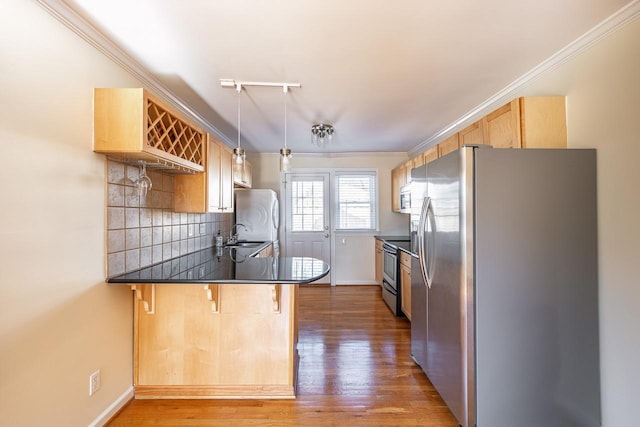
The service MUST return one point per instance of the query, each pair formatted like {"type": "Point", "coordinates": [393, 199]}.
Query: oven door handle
{"type": "Point", "coordinates": [387, 287]}
{"type": "Point", "coordinates": [389, 249]}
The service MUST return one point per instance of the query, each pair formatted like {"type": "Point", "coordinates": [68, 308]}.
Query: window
{"type": "Point", "coordinates": [307, 202]}
{"type": "Point", "coordinates": [356, 201]}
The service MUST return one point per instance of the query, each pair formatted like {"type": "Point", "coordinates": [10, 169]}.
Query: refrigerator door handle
{"type": "Point", "coordinates": [275, 214]}
{"type": "Point", "coordinates": [426, 257]}
{"type": "Point", "coordinates": [426, 203]}
{"type": "Point", "coordinates": [431, 253]}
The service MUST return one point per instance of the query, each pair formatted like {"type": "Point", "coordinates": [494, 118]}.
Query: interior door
{"type": "Point", "coordinates": [307, 225]}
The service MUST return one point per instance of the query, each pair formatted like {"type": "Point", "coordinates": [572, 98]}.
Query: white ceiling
{"type": "Point", "coordinates": [389, 75]}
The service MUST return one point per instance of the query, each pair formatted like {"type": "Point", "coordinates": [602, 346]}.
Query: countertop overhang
{"type": "Point", "coordinates": [221, 265]}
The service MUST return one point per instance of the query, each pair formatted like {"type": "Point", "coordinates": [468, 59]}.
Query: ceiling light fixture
{"type": "Point", "coordinates": [321, 133]}
{"type": "Point", "coordinates": [238, 152]}
{"type": "Point", "coordinates": [285, 153]}
{"type": "Point", "coordinates": [229, 83]}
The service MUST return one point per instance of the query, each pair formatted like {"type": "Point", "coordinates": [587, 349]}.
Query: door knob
{"type": "Point", "coordinates": [326, 235]}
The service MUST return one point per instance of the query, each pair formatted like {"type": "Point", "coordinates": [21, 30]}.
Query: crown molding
{"type": "Point", "coordinates": [86, 31]}
{"type": "Point", "coordinates": [619, 19]}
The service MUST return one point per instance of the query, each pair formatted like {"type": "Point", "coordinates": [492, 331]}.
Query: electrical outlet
{"type": "Point", "coordinates": [94, 382]}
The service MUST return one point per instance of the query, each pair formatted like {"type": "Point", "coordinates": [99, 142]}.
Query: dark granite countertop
{"type": "Point", "coordinates": [228, 265]}
{"type": "Point", "coordinates": [394, 238]}
{"type": "Point", "coordinates": [403, 243]}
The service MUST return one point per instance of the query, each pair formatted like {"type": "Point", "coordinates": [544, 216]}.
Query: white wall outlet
{"type": "Point", "coordinates": [94, 382]}
{"type": "Point", "coordinates": [203, 228]}
{"type": "Point", "coordinates": [190, 230]}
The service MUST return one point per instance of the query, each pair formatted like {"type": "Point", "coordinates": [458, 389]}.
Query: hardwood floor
{"type": "Point", "coordinates": [355, 370]}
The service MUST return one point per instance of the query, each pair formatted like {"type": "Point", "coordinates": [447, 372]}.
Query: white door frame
{"type": "Point", "coordinates": [283, 212]}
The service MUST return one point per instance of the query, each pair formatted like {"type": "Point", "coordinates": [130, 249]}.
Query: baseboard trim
{"type": "Point", "coordinates": [275, 391]}
{"type": "Point", "coordinates": [358, 283]}
{"type": "Point", "coordinates": [113, 409]}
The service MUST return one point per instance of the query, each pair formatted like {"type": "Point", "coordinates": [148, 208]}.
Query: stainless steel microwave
{"type": "Point", "coordinates": [405, 198]}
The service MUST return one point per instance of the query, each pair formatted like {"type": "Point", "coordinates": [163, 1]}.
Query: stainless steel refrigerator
{"type": "Point", "coordinates": [506, 298]}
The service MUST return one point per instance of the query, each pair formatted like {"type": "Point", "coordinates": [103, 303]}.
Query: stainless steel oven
{"type": "Point", "coordinates": [390, 285]}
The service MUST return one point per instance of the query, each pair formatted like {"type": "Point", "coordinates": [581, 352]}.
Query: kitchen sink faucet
{"type": "Point", "coordinates": [233, 237]}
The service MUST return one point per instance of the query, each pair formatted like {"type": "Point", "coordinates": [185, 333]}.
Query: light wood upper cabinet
{"type": "Point", "coordinates": [418, 161]}
{"type": "Point", "coordinates": [131, 124]}
{"type": "Point", "coordinates": [430, 155]}
{"type": "Point", "coordinates": [398, 176]}
{"type": "Point", "coordinates": [472, 134]}
{"type": "Point", "coordinates": [407, 170]}
{"type": "Point", "coordinates": [224, 181]}
{"type": "Point", "coordinates": [502, 126]}
{"type": "Point", "coordinates": [448, 145]}
{"type": "Point", "coordinates": [543, 122]}
{"type": "Point", "coordinates": [529, 122]}
{"type": "Point", "coordinates": [211, 191]}
{"type": "Point", "coordinates": [405, 283]}
{"type": "Point", "coordinates": [242, 176]}
{"type": "Point", "coordinates": [378, 262]}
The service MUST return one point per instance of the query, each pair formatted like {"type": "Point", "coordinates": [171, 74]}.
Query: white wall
{"type": "Point", "coordinates": [603, 111]}
{"type": "Point", "coordinates": [59, 321]}
{"type": "Point", "coordinates": [354, 259]}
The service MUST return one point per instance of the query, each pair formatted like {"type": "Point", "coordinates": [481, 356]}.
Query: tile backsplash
{"type": "Point", "coordinates": [144, 230]}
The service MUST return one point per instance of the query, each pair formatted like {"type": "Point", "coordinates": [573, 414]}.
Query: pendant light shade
{"type": "Point", "coordinates": [285, 160]}
{"type": "Point", "coordinates": [285, 153]}
{"type": "Point", "coordinates": [239, 155]}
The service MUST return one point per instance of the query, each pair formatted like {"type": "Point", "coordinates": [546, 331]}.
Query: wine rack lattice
{"type": "Point", "coordinates": [168, 133]}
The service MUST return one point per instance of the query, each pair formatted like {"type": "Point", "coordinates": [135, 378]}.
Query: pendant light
{"type": "Point", "coordinates": [285, 153]}
{"type": "Point", "coordinates": [238, 152]}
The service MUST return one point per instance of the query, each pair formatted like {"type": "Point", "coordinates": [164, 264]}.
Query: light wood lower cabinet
{"type": "Point", "coordinates": [378, 263]}
{"type": "Point", "coordinates": [216, 341]}
{"type": "Point", "coordinates": [405, 283]}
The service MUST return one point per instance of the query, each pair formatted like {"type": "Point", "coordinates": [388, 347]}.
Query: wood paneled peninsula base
{"type": "Point", "coordinates": [222, 338]}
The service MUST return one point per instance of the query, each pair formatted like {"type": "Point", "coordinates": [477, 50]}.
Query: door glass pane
{"type": "Point", "coordinates": [307, 202]}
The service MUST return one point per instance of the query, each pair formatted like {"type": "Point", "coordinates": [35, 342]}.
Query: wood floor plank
{"type": "Point", "coordinates": [355, 370]}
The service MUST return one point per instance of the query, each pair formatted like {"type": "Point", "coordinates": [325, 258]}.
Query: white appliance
{"type": "Point", "coordinates": [258, 211]}
{"type": "Point", "coordinates": [506, 307]}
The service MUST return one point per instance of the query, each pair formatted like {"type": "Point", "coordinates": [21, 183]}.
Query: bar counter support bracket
{"type": "Point", "coordinates": [275, 295]}
{"type": "Point", "coordinates": [213, 295]}
{"type": "Point", "coordinates": [146, 294]}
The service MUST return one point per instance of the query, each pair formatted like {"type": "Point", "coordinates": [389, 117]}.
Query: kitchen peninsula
{"type": "Point", "coordinates": [218, 323]}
